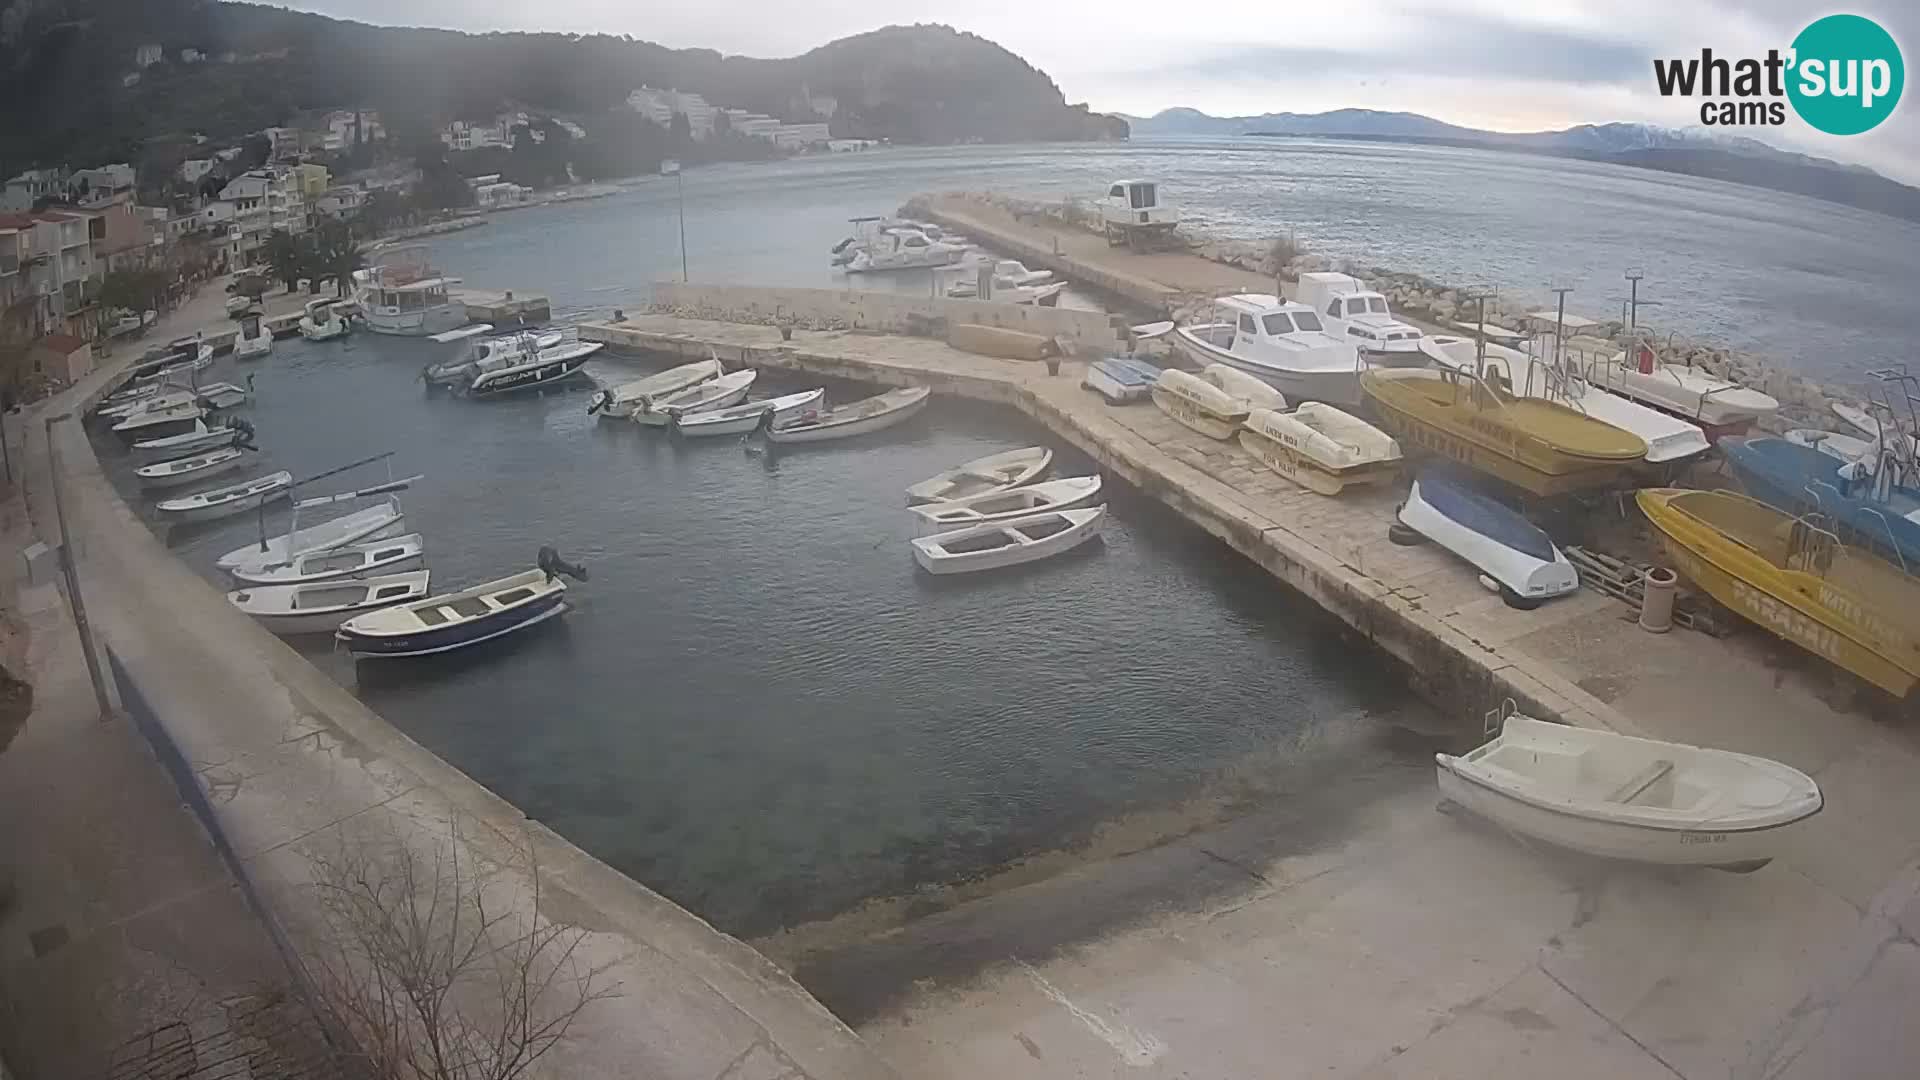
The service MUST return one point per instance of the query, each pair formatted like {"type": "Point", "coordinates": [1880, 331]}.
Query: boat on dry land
{"type": "Point", "coordinates": [1793, 577]}
{"type": "Point", "coordinates": [1279, 342]}
{"type": "Point", "coordinates": [1720, 405]}
{"type": "Point", "coordinates": [1540, 447]}
{"type": "Point", "coordinates": [1120, 379]}
{"type": "Point", "coordinates": [1621, 797]}
{"type": "Point", "coordinates": [1515, 555]}
{"type": "Point", "coordinates": [1199, 404]}
{"type": "Point", "coordinates": [1252, 393]}
{"type": "Point", "coordinates": [1319, 447]}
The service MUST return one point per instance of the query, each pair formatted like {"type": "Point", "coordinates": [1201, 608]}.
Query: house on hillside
{"type": "Point", "coordinates": [148, 55]}
{"type": "Point", "coordinates": [31, 186]}
{"type": "Point", "coordinates": [460, 135]}
{"type": "Point", "coordinates": [660, 105]}
{"type": "Point", "coordinates": [97, 187]}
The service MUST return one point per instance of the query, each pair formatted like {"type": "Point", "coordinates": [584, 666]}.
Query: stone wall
{"type": "Point", "coordinates": [1082, 332]}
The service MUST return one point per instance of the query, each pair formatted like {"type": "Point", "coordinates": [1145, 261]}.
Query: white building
{"type": "Point", "coordinates": [340, 129]}
{"type": "Point", "coordinates": [104, 180]}
{"type": "Point", "coordinates": [500, 194]}
{"type": "Point", "coordinates": [660, 105]}
{"type": "Point", "coordinates": [461, 135]}
{"type": "Point", "coordinates": [261, 202]}
{"type": "Point", "coordinates": [340, 202]}
{"type": "Point", "coordinates": [800, 136]}
{"type": "Point", "coordinates": [148, 55]}
{"type": "Point", "coordinates": [194, 170]}
{"type": "Point", "coordinates": [31, 186]}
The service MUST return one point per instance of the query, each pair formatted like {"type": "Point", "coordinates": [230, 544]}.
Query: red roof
{"type": "Point", "coordinates": [16, 221]}
{"type": "Point", "coordinates": [64, 344]}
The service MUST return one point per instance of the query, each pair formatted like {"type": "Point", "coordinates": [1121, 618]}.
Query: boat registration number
{"type": "Point", "coordinates": [1703, 838]}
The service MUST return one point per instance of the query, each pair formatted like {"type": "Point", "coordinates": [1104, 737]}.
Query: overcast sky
{"type": "Point", "coordinates": [1481, 63]}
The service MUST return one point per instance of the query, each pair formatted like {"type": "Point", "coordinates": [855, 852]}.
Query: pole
{"type": "Point", "coordinates": [1560, 322]}
{"type": "Point", "coordinates": [1634, 274]}
{"type": "Point", "coordinates": [680, 182]}
{"type": "Point", "coordinates": [72, 574]}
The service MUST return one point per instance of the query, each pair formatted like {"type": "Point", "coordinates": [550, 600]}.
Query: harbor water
{"type": "Point", "coordinates": [758, 706]}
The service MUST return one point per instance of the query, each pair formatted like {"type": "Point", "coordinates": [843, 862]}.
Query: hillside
{"type": "Point", "coordinates": [67, 65]}
{"type": "Point", "coordinates": [1697, 152]}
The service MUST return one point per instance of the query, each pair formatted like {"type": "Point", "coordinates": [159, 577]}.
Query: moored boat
{"type": "Point", "coordinates": [1252, 393]}
{"type": "Point", "coordinates": [1198, 404]}
{"type": "Point", "coordinates": [320, 607]}
{"type": "Point", "coordinates": [1319, 447]}
{"type": "Point", "coordinates": [181, 471]}
{"type": "Point", "coordinates": [995, 472]}
{"type": "Point", "coordinates": [618, 401]}
{"type": "Point", "coordinates": [1541, 447]}
{"type": "Point", "coordinates": [1001, 506]}
{"type": "Point", "coordinates": [387, 556]}
{"type": "Point", "coordinates": [253, 340]}
{"type": "Point", "coordinates": [1795, 579]}
{"type": "Point", "coordinates": [458, 620]}
{"type": "Point", "coordinates": [530, 367]}
{"type": "Point", "coordinates": [728, 389]}
{"type": "Point", "coordinates": [1120, 379]}
{"type": "Point", "coordinates": [163, 420]}
{"type": "Point", "coordinates": [322, 321]}
{"type": "Point", "coordinates": [381, 519]}
{"type": "Point", "coordinates": [226, 501]}
{"type": "Point", "coordinates": [863, 417]}
{"type": "Point", "coordinates": [1007, 543]}
{"type": "Point", "coordinates": [194, 440]}
{"type": "Point", "coordinates": [1621, 797]}
{"type": "Point", "coordinates": [403, 294]}
{"type": "Point", "coordinates": [1511, 551]}
{"type": "Point", "coordinates": [743, 418]}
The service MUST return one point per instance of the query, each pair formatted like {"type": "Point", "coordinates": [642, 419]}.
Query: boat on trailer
{"type": "Point", "coordinates": [1199, 404]}
{"type": "Point", "coordinates": [1621, 797]}
{"type": "Point", "coordinates": [1512, 552]}
{"type": "Point", "coordinates": [985, 475]}
{"type": "Point", "coordinates": [458, 620]}
{"type": "Point", "coordinates": [320, 607]}
{"type": "Point", "coordinates": [1720, 405]}
{"type": "Point", "coordinates": [1877, 511]}
{"type": "Point", "coordinates": [182, 471]}
{"type": "Point", "coordinates": [994, 507]}
{"type": "Point", "coordinates": [226, 501]}
{"type": "Point", "coordinates": [1120, 379]}
{"type": "Point", "coordinates": [1279, 342]}
{"type": "Point", "coordinates": [1319, 447]}
{"type": "Point", "coordinates": [729, 389]}
{"type": "Point", "coordinates": [1002, 544]}
{"type": "Point", "coordinates": [383, 556]}
{"type": "Point", "coordinates": [744, 418]}
{"type": "Point", "coordinates": [863, 417]}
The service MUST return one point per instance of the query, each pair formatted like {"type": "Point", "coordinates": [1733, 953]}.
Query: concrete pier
{"type": "Point", "coordinates": [503, 307]}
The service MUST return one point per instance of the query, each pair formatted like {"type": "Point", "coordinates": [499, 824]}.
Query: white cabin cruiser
{"type": "Point", "coordinates": [1282, 343]}
{"type": "Point", "coordinates": [902, 249]}
{"type": "Point", "coordinates": [403, 294]}
{"type": "Point", "coordinates": [253, 340]}
{"type": "Point", "coordinates": [1722, 406]}
{"type": "Point", "coordinates": [323, 321]}
{"type": "Point", "coordinates": [529, 367]}
{"type": "Point", "coordinates": [1350, 310]}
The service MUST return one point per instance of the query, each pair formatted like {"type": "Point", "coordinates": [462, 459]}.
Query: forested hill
{"type": "Point", "coordinates": [66, 67]}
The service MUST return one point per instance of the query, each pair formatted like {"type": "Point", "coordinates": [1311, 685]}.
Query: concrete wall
{"type": "Point", "coordinates": [1083, 332]}
{"type": "Point", "coordinates": [1133, 287]}
{"type": "Point", "coordinates": [296, 769]}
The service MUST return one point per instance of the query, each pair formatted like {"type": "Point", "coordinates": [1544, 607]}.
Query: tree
{"type": "Point", "coordinates": [285, 260]}
{"type": "Point", "coordinates": [133, 290]}
{"type": "Point", "coordinates": [681, 129]}
{"type": "Point", "coordinates": [255, 149]}
{"type": "Point", "coordinates": [336, 255]}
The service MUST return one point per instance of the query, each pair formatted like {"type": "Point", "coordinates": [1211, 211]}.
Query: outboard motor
{"type": "Point", "coordinates": [550, 563]}
{"type": "Point", "coordinates": [245, 439]}
{"type": "Point", "coordinates": [601, 399]}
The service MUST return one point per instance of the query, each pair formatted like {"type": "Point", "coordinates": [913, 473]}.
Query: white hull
{"type": "Point", "coordinates": [245, 348]}
{"type": "Point", "coordinates": [320, 608]}
{"type": "Point", "coordinates": [859, 418]}
{"type": "Point", "coordinates": [374, 521]}
{"type": "Point", "coordinates": [388, 556]}
{"type": "Point", "coordinates": [1619, 797]}
{"type": "Point", "coordinates": [326, 331]}
{"type": "Point", "coordinates": [422, 323]}
{"type": "Point", "coordinates": [197, 508]}
{"type": "Point", "coordinates": [181, 472]}
{"type": "Point", "coordinates": [1251, 393]}
{"type": "Point", "coordinates": [1017, 542]}
{"type": "Point", "coordinates": [1334, 386]}
{"type": "Point", "coordinates": [1198, 404]}
{"type": "Point", "coordinates": [743, 418]}
{"type": "Point", "coordinates": [155, 422]}
{"type": "Point", "coordinates": [620, 401]}
{"type": "Point", "coordinates": [1003, 506]}
{"type": "Point", "coordinates": [1687, 392]}
{"type": "Point", "coordinates": [1839, 447]}
{"type": "Point", "coordinates": [1319, 447]}
{"type": "Point", "coordinates": [1104, 381]}
{"type": "Point", "coordinates": [724, 392]}
{"type": "Point", "coordinates": [1527, 576]}
{"type": "Point", "coordinates": [984, 476]}
{"type": "Point", "coordinates": [193, 442]}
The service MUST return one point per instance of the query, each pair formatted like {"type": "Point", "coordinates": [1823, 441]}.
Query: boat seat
{"type": "Point", "coordinates": [1639, 782]}
{"type": "Point", "coordinates": [472, 607]}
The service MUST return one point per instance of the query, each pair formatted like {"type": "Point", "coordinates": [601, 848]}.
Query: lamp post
{"type": "Point", "coordinates": [671, 166]}
{"type": "Point", "coordinates": [1634, 274]}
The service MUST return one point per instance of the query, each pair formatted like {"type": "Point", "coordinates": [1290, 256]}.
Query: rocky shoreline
{"type": "Point", "coordinates": [1437, 305]}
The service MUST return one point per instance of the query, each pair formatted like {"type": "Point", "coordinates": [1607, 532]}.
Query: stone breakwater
{"type": "Point", "coordinates": [1438, 305]}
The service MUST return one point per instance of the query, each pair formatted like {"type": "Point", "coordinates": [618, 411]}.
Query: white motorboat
{"type": "Point", "coordinates": [1621, 797]}
{"type": "Point", "coordinates": [320, 607]}
{"type": "Point", "coordinates": [1282, 343]}
{"type": "Point", "coordinates": [403, 294]}
{"type": "Point", "coordinates": [1668, 437]}
{"type": "Point", "coordinates": [387, 556]}
{"type": "Point", "coordinates": [253, 340]}
{"type": "Point", "coordinates": [1350, 310]}
{"type": "Point", "coordinates": [619, 401]}
{"type": "Point", "coordinates": [165, 420]}
{"type": "Point", "coordinates": [530, 368]}
{"type": "Point", "coordinates": [1724, 407]}
{"type": "Point", "coordinates": [186, 357]}
{"type": "Point", "coordinates": [1044, 295]}
{"type": "Point", "coordinates": [1120, 379]}
{"type": "Point", "coordinates": [1838, 446]}
{"type": "Point", "coordinates": [1015, 272]}
{"type": "Point", "coordinates": [487, 353]}
{"type": "Point", "coordinates": [160, 398]}
{"type": "Point", "coordinates": [995, 472]}
{"type": "Point", "coordinates": [440, 624]}
{"type": "Point", "coordinates": [1199, 404]}
{"type": "Point", "coordinates": [221, 395]}
{"type": "Point", "coordinates": [322, 321]}
{"type": "Point", "coordinates": [862, 417]}
{"type": "Point", "coordinates": [743, 418]}
{"type": "Point", "coordinates": [1007, 543]}
{"type": "Point", "coordinates": [1008, 505]}
{"type": "Point", "coordinates": [1869, 423]}
{"type": "Point", "coordinates": [1319, 447]}
{"type": "Point", "coordinates": [898, 248]}
{"type": "Point", "coordinates": [1250, 392]}
{"type": "Point", "coordinates": [728, 389]}
{"type": "Point", "coordinates": [1512, 552]}
{"type": "Point", "coordinates": [267, 553]}
{"type": "Point", "coordinates": [187, 470]}
{"type": "Point", "coordinates": [226, 501]}
{"type": "Point", "coordinates": [194, 440]}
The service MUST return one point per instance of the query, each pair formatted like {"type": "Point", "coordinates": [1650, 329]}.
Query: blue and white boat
{"type": "Point", "coordinates": [1874, 510]}
{"type": "Point", "coordinates": [1509, 550]}
{"type": "Point", "coordinates": [444, 623]}
{"type": "Point", "coordinates": [1121, 379]}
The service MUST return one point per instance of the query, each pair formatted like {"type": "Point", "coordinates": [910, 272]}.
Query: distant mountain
{"type": "Point", "coordinates": [1692, 151]}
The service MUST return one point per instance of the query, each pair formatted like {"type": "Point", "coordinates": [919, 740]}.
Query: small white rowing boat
{"type": "Point", "coordinates": [388, 556]}
{"type": "Point", "coordinates": [876, 413]}
{"type": "Point", "coordinates": [1319, 447]}
{"type": "Point", "coordinates": [195, 440]}
{"type": "Point", "coordinates": [182, 471]}
{"type": "Point", "coordinates": [1199, 404]}
{"type": "Point", "coordinates": [1622, 797]}
{"type": "Point", "coordinates": [262, 555]}
{"type": "Point", "coordinates": [320, 607]}
{"type": "Point", "coordinates": [180, 416]}
{"type": "Point", "coordinates": [227, 501]}
{"type": "Point", "coordinates": [1250, 392]}
{"type": "Point", "coordinates": [983, 476]}
{"type": "Point", "coordinates": [133, 406]}
{"type": "Point", "coordinates": [994, 507]}
{"type": "Point", "coordinates": [618, 401]}
{"type": "Point", "coordinates": [1007, 543]}
{"type": "Point", "coordinates": [728, 389]}
{"type": "Point", "coordinates": [743, 418]}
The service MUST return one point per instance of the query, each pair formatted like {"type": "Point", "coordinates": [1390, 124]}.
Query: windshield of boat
{"type": "Point", "coordinates": [1307, 320]}
{"type": "Point", "coordinates": [1277, 323]}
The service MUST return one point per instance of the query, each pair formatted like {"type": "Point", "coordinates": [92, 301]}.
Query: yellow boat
{"type": "Point", "coordinates": [1538, 446]}
{"type": "Point", "coordinates": [1793, 577]}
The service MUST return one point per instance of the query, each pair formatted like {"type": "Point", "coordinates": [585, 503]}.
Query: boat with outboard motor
{"type": "Point", "coordinates": [729, 389]}
{"type": "Point", "coordinates": [469, 617]}
{"type": "Point", "coordinates": [319, 607]}
{"type": "Point", "coordinates": [862, 417]}
{"type": "Point", "coordinates": [619, 401]}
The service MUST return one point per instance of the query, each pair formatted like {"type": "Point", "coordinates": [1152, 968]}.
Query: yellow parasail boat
{"type": "Point", "coordinates": [1538, 446]}
{"type": "Point", "coordinates": [1794, 577]}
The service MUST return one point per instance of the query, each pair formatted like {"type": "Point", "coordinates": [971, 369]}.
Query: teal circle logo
{"type": "Point", "coordinates": [1846, 74]}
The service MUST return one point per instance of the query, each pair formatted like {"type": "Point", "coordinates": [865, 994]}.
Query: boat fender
{"type": "Point", "coordinates": [550, 563]}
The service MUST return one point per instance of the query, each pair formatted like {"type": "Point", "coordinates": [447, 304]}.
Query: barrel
{"type": "Point", "coordinates": [1656, 602]}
